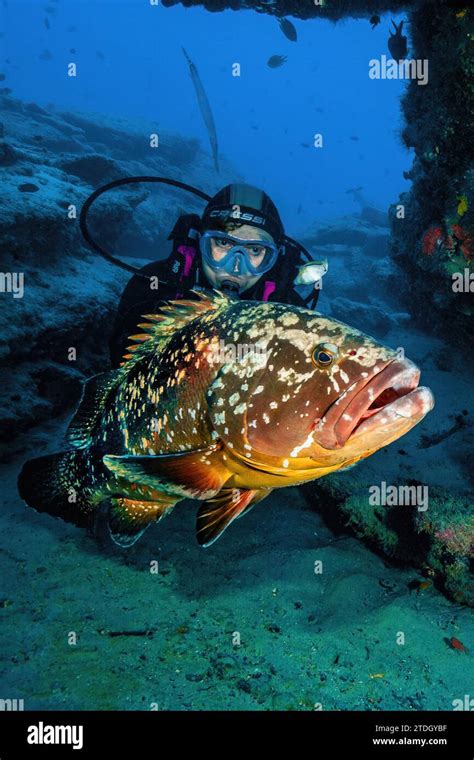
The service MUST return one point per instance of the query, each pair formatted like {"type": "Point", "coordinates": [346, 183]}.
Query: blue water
{"type": "Point", "coordinates": [323, 88]}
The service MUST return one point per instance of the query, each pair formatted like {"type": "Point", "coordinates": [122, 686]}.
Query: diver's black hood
{"type": "Point", "coordinates": [246, 205]}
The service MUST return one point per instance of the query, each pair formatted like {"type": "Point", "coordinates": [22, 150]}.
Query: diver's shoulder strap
{"type": "Point", "coordinates": [183, 259]}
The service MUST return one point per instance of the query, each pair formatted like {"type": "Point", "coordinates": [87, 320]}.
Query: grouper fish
{"type": "Point", "coordinates": [222, 401]}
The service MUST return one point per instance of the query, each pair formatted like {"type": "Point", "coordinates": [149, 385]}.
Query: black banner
{"type": "Point", "coordinates": [394, 734]}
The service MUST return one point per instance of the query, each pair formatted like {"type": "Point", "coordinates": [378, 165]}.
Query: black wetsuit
{"type": "Point", "coordinates": [183, 271]}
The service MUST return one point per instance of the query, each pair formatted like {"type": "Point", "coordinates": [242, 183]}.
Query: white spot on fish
{"type": "Point", "coordinates": [289, 319]}
{"type": "Point", "coordinates": [304, 445]}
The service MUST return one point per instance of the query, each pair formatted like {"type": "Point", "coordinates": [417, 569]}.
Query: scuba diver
{"type": "Point", "coordinates": [238, 246]}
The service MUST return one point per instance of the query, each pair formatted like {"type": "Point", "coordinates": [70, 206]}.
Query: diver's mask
{"type": "Point", "coordinates": [233, 256]}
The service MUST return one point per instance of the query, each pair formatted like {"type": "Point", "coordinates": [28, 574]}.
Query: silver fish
{"type": "Point", "coordinates": [311, 272]}
{"type": "Point", "coordinates": [205, 108]}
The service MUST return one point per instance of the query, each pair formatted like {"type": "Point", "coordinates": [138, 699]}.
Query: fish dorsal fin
{"type": "Point", "coordinates": [172, 316]}
{"type": "Point", "coordinates": [94, 394]}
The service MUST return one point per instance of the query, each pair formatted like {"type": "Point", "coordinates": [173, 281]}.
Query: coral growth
{"type": "Point", "coordinates": [432, 240]}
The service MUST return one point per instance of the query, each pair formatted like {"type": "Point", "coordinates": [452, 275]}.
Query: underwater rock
{"type": "Point", "coordinates": [368, 318]}
{"type": "Point", "coordinates": [28, 187]}
{"type": "Point", "coordinates": [350, 230]}
{"type": "Point", "coordinates": [439, 127]}
{"type": "Point", "coordinates": [374, 216]}
{"type": "Point", "coordinates": [279, 8]}
{"type": "Point", "coordinates": [438, 540]}
{"type": "Point", "coordinates": [93, 169]}
{"type": "Point", "coordinates": [377, 247]}
{"type": "Point", "coordinates": [7, 155]}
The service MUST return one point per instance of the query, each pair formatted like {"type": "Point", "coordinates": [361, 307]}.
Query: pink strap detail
{"type": "Point", "coordinates": [189, 254]}
{"type": "Point", "coordinates": [268, 290]}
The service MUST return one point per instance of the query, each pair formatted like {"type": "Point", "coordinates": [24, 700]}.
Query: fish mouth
{"type": "Point", "coordinates": [387, 400]}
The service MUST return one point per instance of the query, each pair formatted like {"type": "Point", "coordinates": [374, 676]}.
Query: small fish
{"type": "Point", "coordinates": [376, 675]}
{"type": "Point", "coordinates": [354, 138]}
{"type": "Point", "coordinates": [354, 189]}
{"type": "Point", "coordinates": [2, 77]}
{"type": "Point", "coordinates": [397, 43]}
{"type": "Point", "coordinates": [424, 585]}
{"type": "Point", "coordinates": [305, 145]}
{"type": "Point", "coordinates": [374, 21]}
{"type": "Point", "coordinates": [463, 205]}
{"type": "Point", "coordinates": [189, 416]}
{"type": "Point", "coordinates": [454, 643]}
{"type": "Point", "coordinates": [46, 23]}
{"type": "Point", "coordinates": [311, 272]}
{"type": "Point", "coordinates": [288, 29]}
{"type": "Point", "coordinates": [417, 585]}
{"type": "Point", "coordinates": [72, 50]}
{"type": "Point", "coordinates": [46, 55]}
{"type": "Point", "coordinates": [462, 13]}
{"type": "Point", "coordinates": [276, 60]}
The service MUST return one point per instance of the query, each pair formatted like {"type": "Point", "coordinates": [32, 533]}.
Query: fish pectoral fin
{"type": "Point", "coordinates": [198, 472]}
{"type": "Point", "coordinates": [260, 494]}
{"type": "Point", "coordinates": [127, 519]}
{"type": "Point", "coordinates": [216, 514]}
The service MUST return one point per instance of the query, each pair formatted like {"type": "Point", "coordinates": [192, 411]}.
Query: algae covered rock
{"type": "Point", "coordinates": [437, 538]}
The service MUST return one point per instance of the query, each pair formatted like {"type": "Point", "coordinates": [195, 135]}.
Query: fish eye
{"type": "Point", "coordinates": [324, 355]}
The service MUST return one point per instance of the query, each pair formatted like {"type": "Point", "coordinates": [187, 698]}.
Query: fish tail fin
{"type": "Point", "coordinates": [55, 484]}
